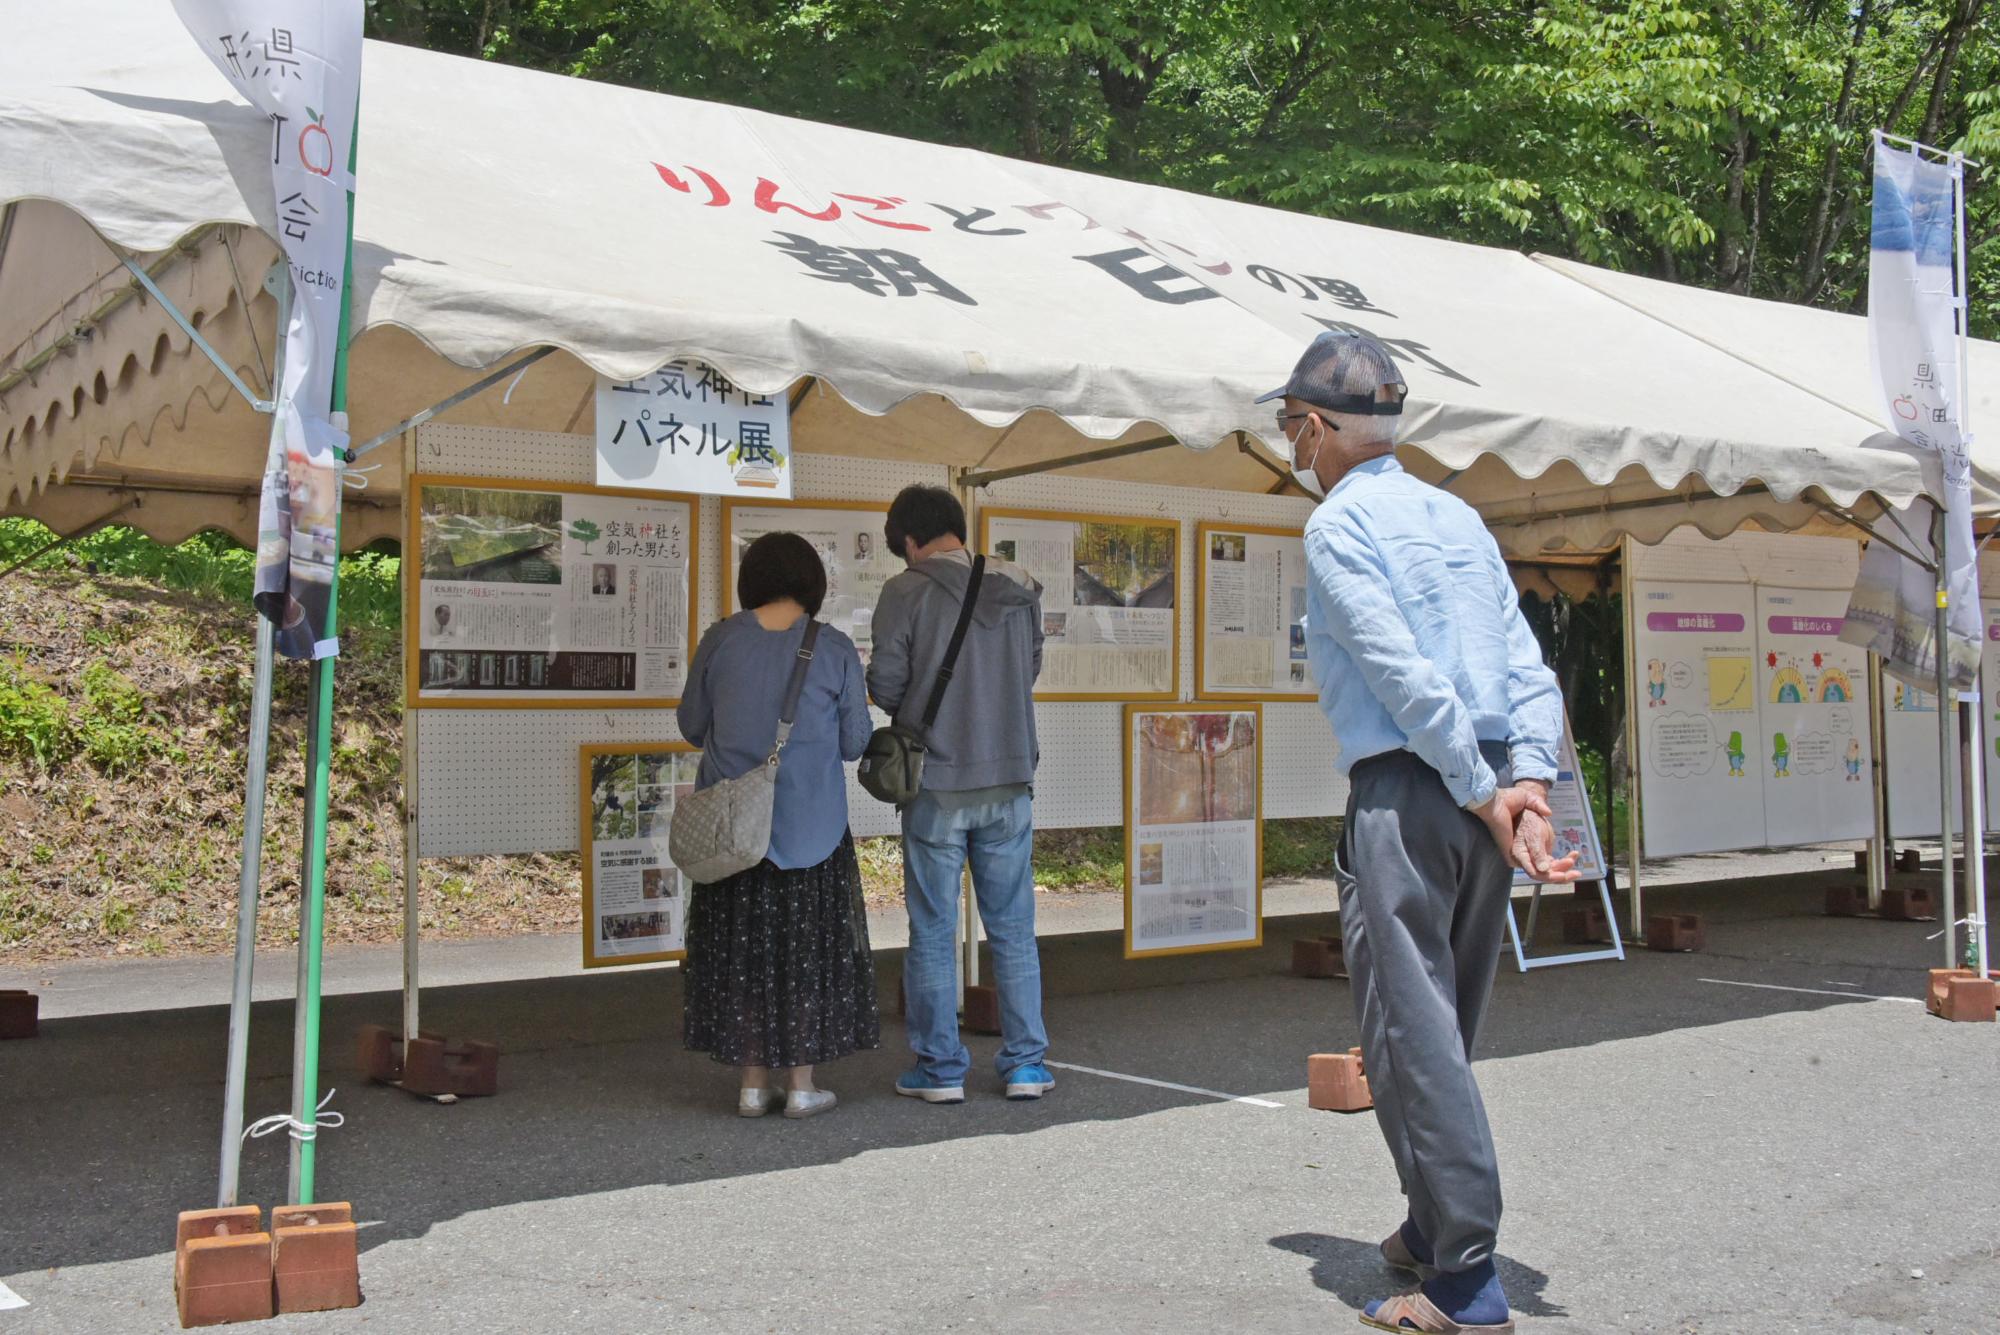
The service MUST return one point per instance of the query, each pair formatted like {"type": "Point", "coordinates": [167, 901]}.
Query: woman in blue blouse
{"type": "Point", "coordinates": [779, 974]}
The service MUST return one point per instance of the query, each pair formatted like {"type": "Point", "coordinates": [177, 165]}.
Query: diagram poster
{"type": "Point", "coordinates": [1251, 638]}
{"type": "Point", "coordinates": [1110, 589]}
{"type": "Point", "coordinates": [635, 900]}
{"type": "Point", "coordinates": [1702, 782]}
{"type": "Point", "coordinates": [537, 595]}
{"type": "Point", "coordinates": [1193, 834]}
{"type": "Point", "coordinates": [1575, 825]}
{"type": "Point", "coordinates": [1813, 703]}
{"type": "Point", "coordinates": [848, 537]}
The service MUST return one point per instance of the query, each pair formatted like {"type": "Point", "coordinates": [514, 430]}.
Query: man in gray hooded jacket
{"type": "Point", "coordinates": [976, 801]}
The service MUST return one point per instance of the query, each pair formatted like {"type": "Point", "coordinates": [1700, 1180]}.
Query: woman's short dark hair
{"type": "Point", "coordinates": [781, 565]}
{"type": "Point", "coordinates": [923, 514]}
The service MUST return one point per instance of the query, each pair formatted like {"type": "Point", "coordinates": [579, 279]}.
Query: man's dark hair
{"type": "Point", "coordinates": [781, 565]}
{"type": "Point", "coordinates": [923, 514]}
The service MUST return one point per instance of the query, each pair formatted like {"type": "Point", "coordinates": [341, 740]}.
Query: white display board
{"type": "Point", "coordinates": [1193, 835]}
{"type": "Point", "coordinates": [848, 537]}
{"type": "Point", "coordinates": [1250, 640]}
{"type": "Point", "coordinates": [1698, 731]}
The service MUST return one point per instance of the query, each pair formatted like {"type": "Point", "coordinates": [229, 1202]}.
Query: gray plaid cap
{"type": "Point", "coordinates": [1343, 373]}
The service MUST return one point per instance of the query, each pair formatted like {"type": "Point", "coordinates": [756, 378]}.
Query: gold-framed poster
{"type": "Point", "coordinates": [1194, 830]}
{"type": "Point", "coordinates": [635, 900]}
{"type": "Point", "coordinates": [1111, 617]}
{"type": "Point", "coordinates": [1250, 613]}
{"type": "Point", "coordinates": [848, 537]}
{"type": "Point", "coordinates": [547, 595]}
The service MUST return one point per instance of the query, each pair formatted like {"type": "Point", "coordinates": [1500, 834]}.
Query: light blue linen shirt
{"type": "Point", "coordinates": [1416, 638]}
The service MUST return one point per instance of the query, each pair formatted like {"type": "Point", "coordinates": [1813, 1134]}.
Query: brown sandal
{"type": "Point", "coordinates": [1413, 1312]}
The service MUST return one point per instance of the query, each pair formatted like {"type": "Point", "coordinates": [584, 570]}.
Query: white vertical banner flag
{"type": "Point", "coordinates": [299, 62]}
{"type": "Point", "coordinates": [1913, 310]}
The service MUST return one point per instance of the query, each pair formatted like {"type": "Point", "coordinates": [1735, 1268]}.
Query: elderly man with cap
{"type": "Point", "coordinates": [1448, 724]}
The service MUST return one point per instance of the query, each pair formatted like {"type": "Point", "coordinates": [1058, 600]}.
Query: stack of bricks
{"type": "Point", "coordinates": [1910, 903]}
{"type": "Point", "coordinates": [1961, 994]}
{"type": "Point", "coordinates": [1337, 1082]}
{"type": "Point", "coordinates": [434, 1066]}
{"type": "Point", "coordinates": [227, 1268]}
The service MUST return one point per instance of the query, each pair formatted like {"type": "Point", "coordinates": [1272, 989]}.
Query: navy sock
{"type": "Point", "coordinates": [1418, 1245]}
{"type": "Point", "coordinates": [1470, 1297]}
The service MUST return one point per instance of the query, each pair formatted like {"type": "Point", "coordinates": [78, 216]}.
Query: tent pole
{"type": "Point", "coordinates": [1947, 747]}
{"type": "Point", "coordinates": [1879, 838]}
{"type": "Point", "coordinates": [412, 721]}
{"type": "Point", "coordinates": [246, 918]}
{"type": "Point", "coordinates": [968, 912]}
{"type": "Point", "coordinates": [1973, 780]}
{"type": "Point", "coordinates": [279, 284]}
{"type": "Point", "coordinates": [1634, 888]}
{"type": "Point", "coordinates": [968, 480]}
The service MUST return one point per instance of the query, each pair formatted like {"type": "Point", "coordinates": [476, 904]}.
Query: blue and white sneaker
{"type": "Point", "coordinates": [916, 1085]}
{"type": "Point", "coordinates": [1030, 1081]}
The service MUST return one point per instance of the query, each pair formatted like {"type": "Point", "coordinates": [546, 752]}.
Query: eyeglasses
{"type": "Point", "coordinates": [1284, 417]}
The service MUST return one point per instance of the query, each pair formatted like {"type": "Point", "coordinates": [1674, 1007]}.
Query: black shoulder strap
{"type": "Point", "coordinates": [957, 642]}
{"type": "Point", "coordinates": [793, 687]}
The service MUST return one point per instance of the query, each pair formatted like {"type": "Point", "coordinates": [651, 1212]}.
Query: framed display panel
{"type": "Point", "coordinates": [635, 900]}
{"type": "Point", "coordinates": [1111, 618]}
{"type": "Point", "coordinates": [1250, 610]}
{"type": "Point", "coordinates": [848, 537]}
{"type": "Point", "coordinates": [533, 595]}
{"type": "Point", "coordinates": [1194, 830]}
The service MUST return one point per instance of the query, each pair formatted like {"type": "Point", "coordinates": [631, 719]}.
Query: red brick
{"type": "Point", "coordinates": [1585, 926]}
{"type": "Point", "coordinates": [1675, 932]}
{"type": "Point", "coordinates": [982, 1009]}
{"type": "Point", "coordinates": [1319, 957]}
{"type": "Point", "coordinates": [224, 1279]}
{"type": "Point", "coordinates": [308, 1216]}
{"type": "Point", "coordinates": [20, 1013]}
{"type": "Point", "coordinates": [231, 1220]}
{"type": "Point", "coordinates": [1908, 859]}
{"type": "Point", "coordinates": [1846, 901]}
{"type": "Point", "coordinates": [316, 1267]}
{"type": "Point", "coordinates": [379, 1053]}
{"type": "Point", "coordinates": [462, 1068]}
{"type": "Point", "coordinates": [1970, 998]}
{"type": "Point", "coordinates": [1915, 903]}
{"type": "Point", "coordinates": [1337, 1082]}
{"type": "Point", "coordinates": [1940, 987]}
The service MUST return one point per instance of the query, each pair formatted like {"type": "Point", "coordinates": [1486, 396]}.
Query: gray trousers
{"type": "Point", "coordinates": [1423, 891]}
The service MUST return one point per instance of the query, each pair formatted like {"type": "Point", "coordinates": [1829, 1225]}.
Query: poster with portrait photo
{"type": "Point", "coordinates": [848, 537]}
{"type": "Point", "coordinates": [544, 595]}
{"type": "Point", "coordinates": [1250, 638]}
{"type": "Point", "coordinates": [635, 900]}
{"type": "Point", "coordinates": [1193, 828]}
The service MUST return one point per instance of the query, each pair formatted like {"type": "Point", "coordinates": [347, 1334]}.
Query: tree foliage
{"type": "Point", "coordinates": [1718, 142]}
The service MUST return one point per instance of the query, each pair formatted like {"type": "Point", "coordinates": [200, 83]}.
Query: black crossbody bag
{"type": "Point", "coordinates": [892, 768]}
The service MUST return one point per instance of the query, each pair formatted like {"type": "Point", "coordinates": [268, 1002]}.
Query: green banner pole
{"type": "Point", "coordinates": [319, 754]}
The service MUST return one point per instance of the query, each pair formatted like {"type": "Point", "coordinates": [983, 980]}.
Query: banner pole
{"type": "Point", "coordinates": [1880, 837]}
{"type": "Point", "coordinates": [1975, 827]}
{"type": "Point", "coordinates": [319, 756]}
{"type": "Point", "coordinates": [251, 875]}
{"type": "Point", "coordinates": [1947, 747]}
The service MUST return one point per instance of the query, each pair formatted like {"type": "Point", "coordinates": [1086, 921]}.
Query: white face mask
{"type": "Point", "coordinates": [1303, 474]}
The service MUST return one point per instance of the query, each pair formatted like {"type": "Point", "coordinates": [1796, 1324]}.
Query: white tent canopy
{"type": "Point", "coordinates": [928, 301]}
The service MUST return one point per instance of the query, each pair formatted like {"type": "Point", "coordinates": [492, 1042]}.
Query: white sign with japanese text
{"type": "Point", "coordinates": [685, 427]}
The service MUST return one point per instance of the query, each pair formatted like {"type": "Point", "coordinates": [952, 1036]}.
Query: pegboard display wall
{"type": "Point", "coordinates": [504, 780]}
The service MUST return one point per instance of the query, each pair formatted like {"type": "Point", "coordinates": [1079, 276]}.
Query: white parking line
{"type": "Point", "coordinates": [1168, 1084]}
{"type": "Point", "coordinates": [9, 1300]}
{"type": "Point", "coordinates": [1812, 991]}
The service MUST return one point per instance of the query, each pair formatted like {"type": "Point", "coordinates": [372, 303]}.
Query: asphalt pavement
{"type": "Point", "coordinates": [1769, 1135]}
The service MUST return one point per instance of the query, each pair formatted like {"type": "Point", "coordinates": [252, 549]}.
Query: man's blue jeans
{"type": "Point", "coordinates": [998, 838]}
